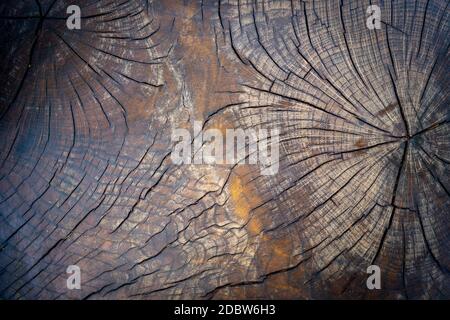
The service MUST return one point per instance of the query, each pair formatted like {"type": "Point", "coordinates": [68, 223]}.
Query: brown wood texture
{"type": "Point", "coordinates": [86, 176]}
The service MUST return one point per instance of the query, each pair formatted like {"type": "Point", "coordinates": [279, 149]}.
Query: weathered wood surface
{"type": "Point", "coordinates": [86, 176]}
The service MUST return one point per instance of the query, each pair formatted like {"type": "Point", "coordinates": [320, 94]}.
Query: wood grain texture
{"type": "Point", "coordinates": [86, 176]}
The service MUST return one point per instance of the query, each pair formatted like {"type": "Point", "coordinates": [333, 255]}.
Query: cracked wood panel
{"type": "Point", "coordinates": [86, 176]}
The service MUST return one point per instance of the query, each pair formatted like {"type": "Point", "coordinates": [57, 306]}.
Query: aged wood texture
{"type": "Point", "coordinates": [86, 176]}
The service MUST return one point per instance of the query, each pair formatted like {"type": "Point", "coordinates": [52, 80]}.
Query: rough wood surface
{"type": "Point", "coordinates": [86, 176]}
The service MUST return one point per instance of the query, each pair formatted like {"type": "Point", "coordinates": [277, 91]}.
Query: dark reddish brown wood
{"type": "Point", "coordinates": [86, 176]}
